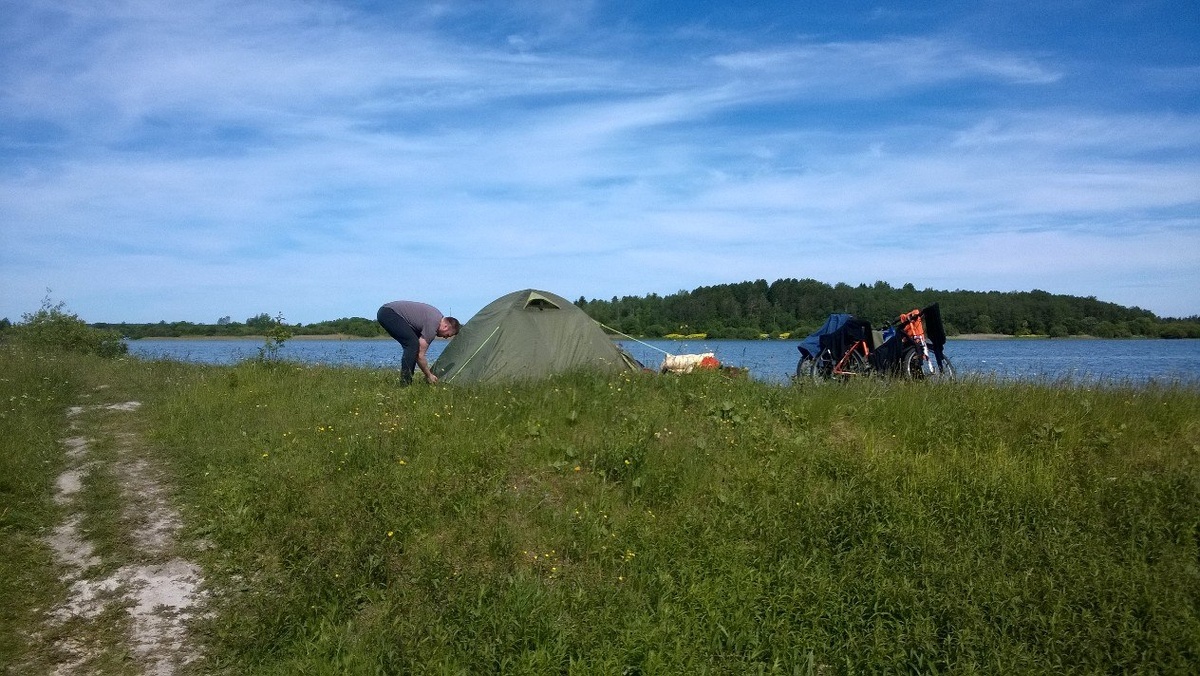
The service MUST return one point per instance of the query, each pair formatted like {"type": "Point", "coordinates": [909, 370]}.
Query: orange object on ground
{"type": "Point", "coordinates": [685, 363]}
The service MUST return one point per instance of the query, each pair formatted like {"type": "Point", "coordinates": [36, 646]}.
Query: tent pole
{"type": "Point", "coordinates": [632, 338]}
{"type": "Point", "coordinates": [468, 361]}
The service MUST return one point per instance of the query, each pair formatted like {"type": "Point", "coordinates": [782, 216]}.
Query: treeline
{"type": "Point", "coordinates": [800, 306]}
{"type": "Point", "coordinates": [254, 326]}
{"type": "Point", "coordinates": [787, 307]}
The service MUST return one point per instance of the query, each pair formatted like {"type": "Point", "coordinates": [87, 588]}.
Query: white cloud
{"type": "Point", "coordinates": [874, 68]}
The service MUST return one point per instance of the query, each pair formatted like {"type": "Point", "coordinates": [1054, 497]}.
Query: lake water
{"type": "Point", "coordinates": [1076, 360]}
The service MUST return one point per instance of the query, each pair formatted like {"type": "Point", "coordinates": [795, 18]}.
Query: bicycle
{"type": "Point", "coordinates": [840, 349]}
{"type": "Point", "coordinates": [853, 363]}
{"type": "Point", "coordinates": [912, 346]}
{"type": "Point", "coordinates": [916, 362]}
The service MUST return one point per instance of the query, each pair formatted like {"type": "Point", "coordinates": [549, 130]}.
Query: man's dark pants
{"type": "Point", "coordinates": [399, 329]}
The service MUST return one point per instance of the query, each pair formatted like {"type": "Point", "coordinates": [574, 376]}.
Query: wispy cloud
{"type": "Point", "coordinates": [875, 68]}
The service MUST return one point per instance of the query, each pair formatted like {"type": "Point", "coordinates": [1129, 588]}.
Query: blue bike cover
{"type": "Point", "coordinates": [810, 347]}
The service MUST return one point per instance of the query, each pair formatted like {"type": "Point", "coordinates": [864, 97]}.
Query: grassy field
{"type": "Point", "coordinates": [644, 524]}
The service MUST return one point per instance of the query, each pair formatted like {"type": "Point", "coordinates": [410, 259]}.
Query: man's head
{"type": "Point", "coordinates": [448, 327]}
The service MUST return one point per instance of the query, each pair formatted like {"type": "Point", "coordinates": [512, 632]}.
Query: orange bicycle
{"type": "Point", "coordinates": [856, 361]}
{"type": "Point", "coordinates": [841, 349]}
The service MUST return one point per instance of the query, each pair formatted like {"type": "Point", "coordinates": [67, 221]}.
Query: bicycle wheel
{"type": "Point", "coordinates": [912, 364]}
{"type": "Point", "coordinates": [856, 365]}
{"type": "Point", "coordinates": [806, 369]}
{"type": "Point", "coordinates": [946, 370]}
{"type": "Point", "coordinates": [813, 370]}
{"type": "Point", "coordinates": [915, 366]}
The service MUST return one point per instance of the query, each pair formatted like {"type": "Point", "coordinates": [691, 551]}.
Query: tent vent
{"type": "Point", "coordinates": [537, 301]}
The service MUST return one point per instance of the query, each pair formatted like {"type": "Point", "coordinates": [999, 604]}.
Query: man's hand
{"type": "Point", "coordinates": [422, 346]}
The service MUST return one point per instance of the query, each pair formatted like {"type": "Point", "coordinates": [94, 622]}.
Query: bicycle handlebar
{"type": "Point", "coordinates": [900, 322]}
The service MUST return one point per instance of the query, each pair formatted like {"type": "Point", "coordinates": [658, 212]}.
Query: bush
{"type": "Point", "coordinates": [52, 327]}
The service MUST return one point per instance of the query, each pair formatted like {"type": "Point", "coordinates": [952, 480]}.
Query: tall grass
{"type": "Point", "coordinates": [35, 391]}
{"type": "Point", "coordinates": [687, 525]}
{"type": "Point", "coordinates": [649, 524]}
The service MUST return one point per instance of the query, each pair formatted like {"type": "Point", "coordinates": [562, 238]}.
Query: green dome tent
{"type": "Point", "coordinates": [528, 334]}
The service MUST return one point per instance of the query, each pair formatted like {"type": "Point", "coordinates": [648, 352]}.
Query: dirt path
{"type": "Point", "coordinates": [137, 606]}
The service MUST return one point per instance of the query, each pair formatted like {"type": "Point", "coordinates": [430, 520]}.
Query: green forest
{"type": "Point", "coordinates": [800, 306]}
{"type": "Point", "coordinates": [259, 325]}
{"type": "Point", "coordinates": [783, 308]}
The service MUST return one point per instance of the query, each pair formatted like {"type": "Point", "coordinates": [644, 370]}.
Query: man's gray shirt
{"type": "Point", "coordinates": [422, 317]}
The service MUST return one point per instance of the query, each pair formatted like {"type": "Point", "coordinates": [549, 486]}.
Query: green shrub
{"type": "Point", "coordinates": [53, 328]}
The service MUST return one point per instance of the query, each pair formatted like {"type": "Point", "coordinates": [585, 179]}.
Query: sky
{"type": "Point", "coordinates": [314, 159]}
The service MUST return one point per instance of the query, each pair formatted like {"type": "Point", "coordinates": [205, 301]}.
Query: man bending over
{"type": "Point", "coordinates": [415, 325]}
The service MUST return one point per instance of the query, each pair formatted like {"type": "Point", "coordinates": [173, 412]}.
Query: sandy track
{"type": "Point", "coordinates": [159, 590]}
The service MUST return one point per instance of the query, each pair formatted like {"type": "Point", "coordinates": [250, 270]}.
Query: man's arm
{"type": "Point", "coordinates": [423, 345]}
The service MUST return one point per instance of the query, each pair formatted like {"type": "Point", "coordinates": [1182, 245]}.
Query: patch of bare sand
{"type": "Point", "coordinates": [981, 336]}
{"type": "Point", "coordinates": [160, 591]}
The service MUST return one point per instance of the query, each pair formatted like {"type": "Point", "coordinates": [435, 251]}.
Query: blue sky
{"type": "Point", "coordinates": [191, 161]}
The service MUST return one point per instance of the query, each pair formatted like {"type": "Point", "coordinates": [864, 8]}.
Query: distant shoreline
{"type": "Point", "coordinates": [347, 337]}
{"type": "Point", "coordinates": [323, 336]}
{"type": "Point", "coordinates": [984, 336]}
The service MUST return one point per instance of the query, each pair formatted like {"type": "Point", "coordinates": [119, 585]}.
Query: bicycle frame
{"type": "Point", "coordinates": [849, 366]}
